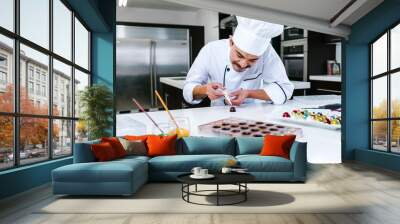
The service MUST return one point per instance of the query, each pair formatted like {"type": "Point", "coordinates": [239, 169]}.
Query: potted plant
{"type": "Point", "coordinates": [96, 103]}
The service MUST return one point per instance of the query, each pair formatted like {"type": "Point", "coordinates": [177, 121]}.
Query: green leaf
{"type": "Point", "coordinates": [96, 102]}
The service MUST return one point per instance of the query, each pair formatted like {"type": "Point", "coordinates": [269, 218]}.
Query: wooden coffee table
{"type": "Point", "coordinates": [238, 179]}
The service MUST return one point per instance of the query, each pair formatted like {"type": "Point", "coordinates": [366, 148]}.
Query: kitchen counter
{"type": "Point", "coordinates": [324, 145]}
{"type": "Point", "coordinates": [301, 84]}
{"type": "Point", "coordinates": [179, 82]}
{"type": "Point", "coordinates": [327, 78]}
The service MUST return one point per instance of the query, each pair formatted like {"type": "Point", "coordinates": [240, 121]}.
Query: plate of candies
{"type": "Point", "coordinates": [320, 117]}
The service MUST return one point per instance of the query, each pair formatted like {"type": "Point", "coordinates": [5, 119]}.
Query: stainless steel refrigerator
{"type": "Point", "coordinates": [143, 55]}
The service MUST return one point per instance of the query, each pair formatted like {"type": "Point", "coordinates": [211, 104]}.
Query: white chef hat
{"type": "Point", "coordinates": [253, 36]}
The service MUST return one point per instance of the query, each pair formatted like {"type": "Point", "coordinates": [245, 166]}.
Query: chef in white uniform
{"type": "Point", "coordinates": [245, 65]}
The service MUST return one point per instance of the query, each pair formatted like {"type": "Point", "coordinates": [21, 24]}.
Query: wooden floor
{"type": "Point", "coordinates": [379, 189]}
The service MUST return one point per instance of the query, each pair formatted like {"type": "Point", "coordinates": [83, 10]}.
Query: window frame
{"type": "Point", "coordinates": [388, 74]}
{"type": "Point", "coordinates": [16, 114]}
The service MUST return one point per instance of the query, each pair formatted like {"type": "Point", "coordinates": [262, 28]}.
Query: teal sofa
{"type": "Point", "coordinates": [125, 176]}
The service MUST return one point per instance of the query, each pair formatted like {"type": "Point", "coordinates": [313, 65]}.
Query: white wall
{"type": "Point", "coordinates": [209, 19]}
{"type": "Point", "coordinates": [145, 15]}
{"type": "Point", "coordinates": [201, 17]}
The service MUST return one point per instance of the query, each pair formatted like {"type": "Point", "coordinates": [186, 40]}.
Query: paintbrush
{"type": "Point", "coordinates": [147, 114]}
{"type": "Point", "coordinates": [166, 109]}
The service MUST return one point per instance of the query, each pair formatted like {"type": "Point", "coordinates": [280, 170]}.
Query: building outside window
{"type": "Point", "coordinates": [3, 61]}
{"type": "Point", "coordinates": [3, 78]}
{"type": "Point", "coordinates": [44, 91]}
{"type": "Point", "coordinates": [38, 89]}
{"type": "Point", "coordinates": [44, 77]}
{"type": "Point", "coordinates": [3, 71]}
{"type": "Point", "coordinates": [385, 95]}
{"type": "Point", "coordinates": [37, 74]}
{"type": "Point", "coordinates": [30, 87]}
{"type": "Point", "coordinates": [30, 72]}
{"type": "Point", "coordinates": [55, 96]}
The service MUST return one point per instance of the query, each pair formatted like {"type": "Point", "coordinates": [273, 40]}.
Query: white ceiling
{"type": "Point", "coordinates": [308, 14]}
{"type": "Point", "coordinates": [159, 4]}
{"type": "Point", "coordinates": [321, 9]}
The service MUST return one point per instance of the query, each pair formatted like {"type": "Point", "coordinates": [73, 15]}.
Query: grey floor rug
{"type": "Point", "coordinates": [166, 198]}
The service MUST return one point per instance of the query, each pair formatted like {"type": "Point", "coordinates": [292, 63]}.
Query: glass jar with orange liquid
{"type": "Point", "coordinates": [169, 128]}
{"type": "Point", "coordinates": [184, 127]}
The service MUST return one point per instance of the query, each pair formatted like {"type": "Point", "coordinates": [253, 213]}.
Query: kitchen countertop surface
{"type": "Point", "coordinates": [179, 82]}
{"type": "Point", "coordinates": [324, 145]}
{"type": "Point", "coordinates": [328, 78]}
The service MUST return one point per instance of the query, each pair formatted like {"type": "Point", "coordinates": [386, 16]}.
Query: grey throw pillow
{"type": "Point", "coordinates": [137, 148]}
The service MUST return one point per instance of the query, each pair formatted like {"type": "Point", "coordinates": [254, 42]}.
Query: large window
{"type": "Point", "coordinates": [7, 14]}
{"type": "Point", "coordinates": [62, 24]}
{"type": "Point", "coordinates": [34, 21]}
{"type": "Point", "coordinates": [385, 94]}
{"type": "Point", "coordinates": [40, 80]}
{"type": "Point", "coordinates": [81, 45]}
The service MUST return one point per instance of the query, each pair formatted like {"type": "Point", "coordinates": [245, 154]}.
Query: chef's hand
{"type": "Point", "coordinates": [239, 96]}
{"type": "Point", "coordinates": [213, 90]}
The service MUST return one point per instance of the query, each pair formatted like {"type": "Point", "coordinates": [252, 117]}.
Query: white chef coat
{"type": "Point", "coordinates": [268, 73]}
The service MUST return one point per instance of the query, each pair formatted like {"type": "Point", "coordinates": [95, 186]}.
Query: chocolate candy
{"type": "Point", "coordinates": [232, 109]}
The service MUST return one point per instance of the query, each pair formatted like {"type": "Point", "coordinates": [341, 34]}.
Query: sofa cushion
{"type": "Point", "coordinates": [103, 152]}
{"type": "Point", "coordinates": [131, 158]}
{"type": "Point", "coordinates": [249, 145]}
{"type": "Point", "coordinates": [136, 137]}
{"type": "Point", "coordinates": [161, 145]}
{"type": "Point", "coordinates": [116, 145]}
{"type": "Point", "coordinates": [185, 163]}
{"type": "Point", "coordinates": [112, 171]}
{"type": "Point", "coordinates": [277, 145]}
{"type": "Point", "coordinates": [136, 147]}
{"type": "Point", "coordinates": [257, 163]}
{"type": "Point", "coordinates": [208, 145]}
{"type": "Point", "coordinates": [83, 152]}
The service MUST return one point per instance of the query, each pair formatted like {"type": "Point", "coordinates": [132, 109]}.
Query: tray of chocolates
{"type": "Point", "coordinates": [242, 127]}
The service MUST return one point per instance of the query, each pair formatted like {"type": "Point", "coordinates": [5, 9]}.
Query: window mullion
{"type": "Point", "coordinates": [16, 70]}
{"type": "Point", "coordinates": [50, 81]}
{"type": "Point", "coordinates": [73, 82]}
{"type": "Point", "coordinates": [389, 106]}
{"type": "Point", "coordinates": [371, 142]}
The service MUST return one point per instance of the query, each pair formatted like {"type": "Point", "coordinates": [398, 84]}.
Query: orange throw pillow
{"type": "Point", "coordinates": [275, 145]}
{"type": "Point", "coordinates": [103, 152]}
{"type": "Point", "coordinates": [161, 145]}
{"type": "Point", "coordinates": [116, 145]}
{"type": "Point", "coordinates": [136, 137]}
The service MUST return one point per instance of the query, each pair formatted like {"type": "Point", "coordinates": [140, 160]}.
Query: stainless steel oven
{"type": "Point", "coordinates": [294, 57]}
{"type": "Point", "coordinates": [293, 33]}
